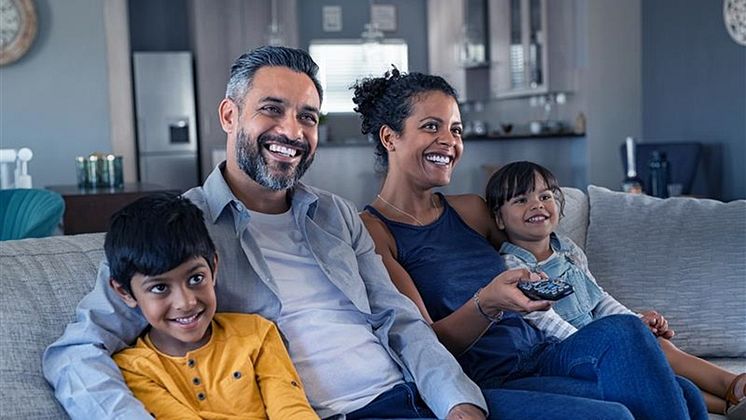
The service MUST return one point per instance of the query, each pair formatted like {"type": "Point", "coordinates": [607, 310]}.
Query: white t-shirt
{"type": "Point", "coordinates": [341, 362]}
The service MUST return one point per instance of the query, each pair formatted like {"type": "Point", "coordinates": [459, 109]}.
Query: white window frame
{"type": "Point", "coordinates": [346, 68]}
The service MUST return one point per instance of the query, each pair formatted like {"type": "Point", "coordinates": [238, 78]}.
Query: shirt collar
{"type": "Point", "coordinates": [219, 195]}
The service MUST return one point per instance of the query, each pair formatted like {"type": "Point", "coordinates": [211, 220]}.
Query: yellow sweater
{"type": "Point", "coordinates": [243, 372]}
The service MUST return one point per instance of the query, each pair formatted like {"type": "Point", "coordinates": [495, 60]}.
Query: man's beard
{"type": "Point", "coordinates": [252, 162]}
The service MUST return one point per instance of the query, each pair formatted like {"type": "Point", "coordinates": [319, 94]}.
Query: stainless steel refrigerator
{"type": "Point", "coordinates": [166, 119]}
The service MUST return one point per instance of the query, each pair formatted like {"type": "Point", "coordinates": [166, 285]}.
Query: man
{"type": "Point", "coordinates": [291, 253]}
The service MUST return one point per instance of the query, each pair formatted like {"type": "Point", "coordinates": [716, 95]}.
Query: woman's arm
{"type": "Point", "coordinates": [474, 212]}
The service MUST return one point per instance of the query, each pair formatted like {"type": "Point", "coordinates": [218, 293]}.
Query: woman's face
{"type": "Point", "coordinates": [427, 149]}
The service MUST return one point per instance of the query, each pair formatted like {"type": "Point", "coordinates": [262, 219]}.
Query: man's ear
{"type": "Point", "coordinates": [228, 114]}
{"type": "Point", "coordinates": [387, 136]}
{"type": "Point", "coordinates": [123, 294]}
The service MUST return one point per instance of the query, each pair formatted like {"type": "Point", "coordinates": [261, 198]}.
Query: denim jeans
{"type": "Point", "coordinates": [404, 402]}
{"type": "Point", "coordinates": [613, 359]}
{"type": "Point", "coordinates": [400, 402]}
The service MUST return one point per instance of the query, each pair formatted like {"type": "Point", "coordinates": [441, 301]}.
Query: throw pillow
{"type": "Point", "coordinates": [684, 257]}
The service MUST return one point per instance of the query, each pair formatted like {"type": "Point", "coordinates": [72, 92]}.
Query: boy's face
{"type": "Point", "coordinates": [530, 217]}
{"type": "Point", "coordinates": [179, 305]}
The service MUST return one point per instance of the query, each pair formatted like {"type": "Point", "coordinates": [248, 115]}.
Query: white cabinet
{"type": "Point", "coordinates": [458, 45]}
{"type": "Point", "coordinates": [531, 47]}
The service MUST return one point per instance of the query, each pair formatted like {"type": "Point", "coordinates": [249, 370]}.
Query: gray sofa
{"type": "Point", "coordinates": [684, 257]}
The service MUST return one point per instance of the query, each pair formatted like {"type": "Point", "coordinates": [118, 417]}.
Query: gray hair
{"type": "Point", "coordinates": [245, 66]}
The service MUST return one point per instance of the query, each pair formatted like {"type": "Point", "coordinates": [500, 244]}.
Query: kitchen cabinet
{"type": "Point", "coordinates": [532, 47]}
{"type": "Point", "coordinates": [458, 45]}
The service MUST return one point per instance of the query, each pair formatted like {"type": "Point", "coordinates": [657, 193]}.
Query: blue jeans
{"type": "Point", "coordinates": [400, 402]}
{"type": "Point", "coordinates": [612, 359]}
{"type": "Point", "coordinates": [404, 402]}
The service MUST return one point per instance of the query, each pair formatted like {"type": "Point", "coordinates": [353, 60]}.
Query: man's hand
{"type": "Point", "coordinates": [657, 324]}
{"type": "Point", "coordinates": [465, 412]}
{"type": "Point", "coordinates": [502, 294]}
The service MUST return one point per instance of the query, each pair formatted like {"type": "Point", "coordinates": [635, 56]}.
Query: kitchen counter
{"type": "Point", "coordinates": [520, 136]}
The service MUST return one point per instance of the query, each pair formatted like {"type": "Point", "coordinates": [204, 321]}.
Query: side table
{"type": "Point", "coordinates": [89, 210]}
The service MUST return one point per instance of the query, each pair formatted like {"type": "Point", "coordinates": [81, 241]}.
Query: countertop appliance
{"type": "Point", "coordinates": [166, 119]}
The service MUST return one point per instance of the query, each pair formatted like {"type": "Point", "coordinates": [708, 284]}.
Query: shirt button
{"type": "Point", "coordinates": [236, 374]}
{"type": "Point", "coordinates": [196, 381]}
{"type": "Point", "coordinates": [191, 363]}
{"type": "Point", "coordinates": [201, 396]}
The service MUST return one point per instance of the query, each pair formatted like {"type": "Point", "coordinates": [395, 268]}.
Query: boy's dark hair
{"type": "Point", "coordinates": [388, 100]}
{"type": "Point", "coordinates": [154, 235]}
{"type": "Point", "coordinates": [517, 178]}
{"type": "Point", "coordinates": [245, 66]}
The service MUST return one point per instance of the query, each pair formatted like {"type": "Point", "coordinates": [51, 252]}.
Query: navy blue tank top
{"type": "Point", "coordinates": [448, 261]}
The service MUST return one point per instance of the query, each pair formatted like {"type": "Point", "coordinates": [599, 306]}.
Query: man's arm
{"type": "Point", "coordinates": [439, 378]}
{"type": "Point", "coordinates": [78, 365]}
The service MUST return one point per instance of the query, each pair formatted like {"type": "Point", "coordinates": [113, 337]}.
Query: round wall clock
{"type": "Point", "coordinates": [734, 15]}
{"type": "Point", "coordinates": [17, 29]}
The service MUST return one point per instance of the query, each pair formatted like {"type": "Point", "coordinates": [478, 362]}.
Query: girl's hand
{"type": "Point", "coordinates": [657, 324]}
{"type": "Point", "coordinates": [502, 294]}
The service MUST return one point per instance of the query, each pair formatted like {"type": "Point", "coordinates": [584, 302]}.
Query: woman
{"type": "Point", "coordinates": [442, 253]}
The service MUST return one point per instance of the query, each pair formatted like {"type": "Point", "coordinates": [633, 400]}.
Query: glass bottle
{"type": "Point", "coordinates": [632, 183]}
{"type": "Point", "coordinates": [659, 175]}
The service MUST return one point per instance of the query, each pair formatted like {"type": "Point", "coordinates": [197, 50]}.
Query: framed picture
{"type": "Point", "coordinates": [384, 15]}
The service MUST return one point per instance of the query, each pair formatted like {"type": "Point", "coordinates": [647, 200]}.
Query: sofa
{"type": "Point", "coordinates": [684, 257]}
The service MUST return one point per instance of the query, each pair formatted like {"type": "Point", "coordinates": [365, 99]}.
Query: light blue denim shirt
{"type": "Point", "coordinates": [88, 383]}
{"type": "Point", "coordinates": [569, 264]}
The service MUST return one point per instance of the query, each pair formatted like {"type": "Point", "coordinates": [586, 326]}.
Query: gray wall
{"type": "Point", "coordinates": [55, 100]}
{"type": "Point", "coordinates": [694, 89]}
{"type": "Point", "coordinates": [611, 83]}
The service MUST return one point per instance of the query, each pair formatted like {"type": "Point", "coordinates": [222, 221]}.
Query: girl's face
{"type": "Point", "coordinates": [530, 217]}
{"type": "Point", "coordinates": [430, 144]}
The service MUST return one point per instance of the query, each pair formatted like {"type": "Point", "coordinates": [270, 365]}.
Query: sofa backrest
{"type": "Point", "coordinates": [574, 222]}
{"type": "Point", "coordinates": [41, 282]}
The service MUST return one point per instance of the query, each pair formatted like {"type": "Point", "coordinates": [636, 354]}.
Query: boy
{"type": "Point", "coordinates": [191, 362]}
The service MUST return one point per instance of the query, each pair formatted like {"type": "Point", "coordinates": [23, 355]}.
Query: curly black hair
{"type": "Point", "coordinates": [388, 100]}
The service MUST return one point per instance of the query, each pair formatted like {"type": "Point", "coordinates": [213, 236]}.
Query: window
{"type": "Point", "coordinates": [343, 62]}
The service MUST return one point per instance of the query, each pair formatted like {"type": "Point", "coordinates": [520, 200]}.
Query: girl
{"type": "Point", "coordinates": [527, 203]}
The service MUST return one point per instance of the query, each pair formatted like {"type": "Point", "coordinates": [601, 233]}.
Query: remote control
{"type": "Point", "coordinates": [545, 289]}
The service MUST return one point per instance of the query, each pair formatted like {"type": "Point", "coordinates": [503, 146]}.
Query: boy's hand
{"type": "Point", "coordinates": [657, 324]}
{"type": "Point", "coordinates": [502, 294]}
{"type": "Point", "coordinates": [465, 412]}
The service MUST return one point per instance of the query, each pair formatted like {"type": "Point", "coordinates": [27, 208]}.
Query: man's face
{"type": "Point", "coordinates": [277, 127]}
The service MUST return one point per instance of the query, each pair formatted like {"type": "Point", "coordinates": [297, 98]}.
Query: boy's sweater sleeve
{"type": "Point", "coordinates": [280, 385]}
{"type": "Point", "coordinates": [549, 322]}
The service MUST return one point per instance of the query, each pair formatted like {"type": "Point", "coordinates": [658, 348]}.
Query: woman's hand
{"type": "Point", "coordinates": [465, 412]}
{"type": "Point", "coordinates": [502, 294]}
{"type": "Point", "coordinates": [657, 324]}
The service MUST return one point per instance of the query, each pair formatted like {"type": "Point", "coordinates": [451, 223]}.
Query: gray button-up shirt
{"type": "Point", "coordinates": [88, 383]}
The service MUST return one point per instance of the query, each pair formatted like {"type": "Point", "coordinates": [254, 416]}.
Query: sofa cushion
{"type": "Point", "coordinates": [683, 257]}
{"type": "Point", "coordinates": [42, 281]}
{"type": "Point", "coordinates": [574, 223]}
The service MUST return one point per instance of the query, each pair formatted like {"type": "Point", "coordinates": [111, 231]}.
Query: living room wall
{"type": "Point", "coordinates": [55, 99]}
{"type": "Point", "coordinates": [694, 89]}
